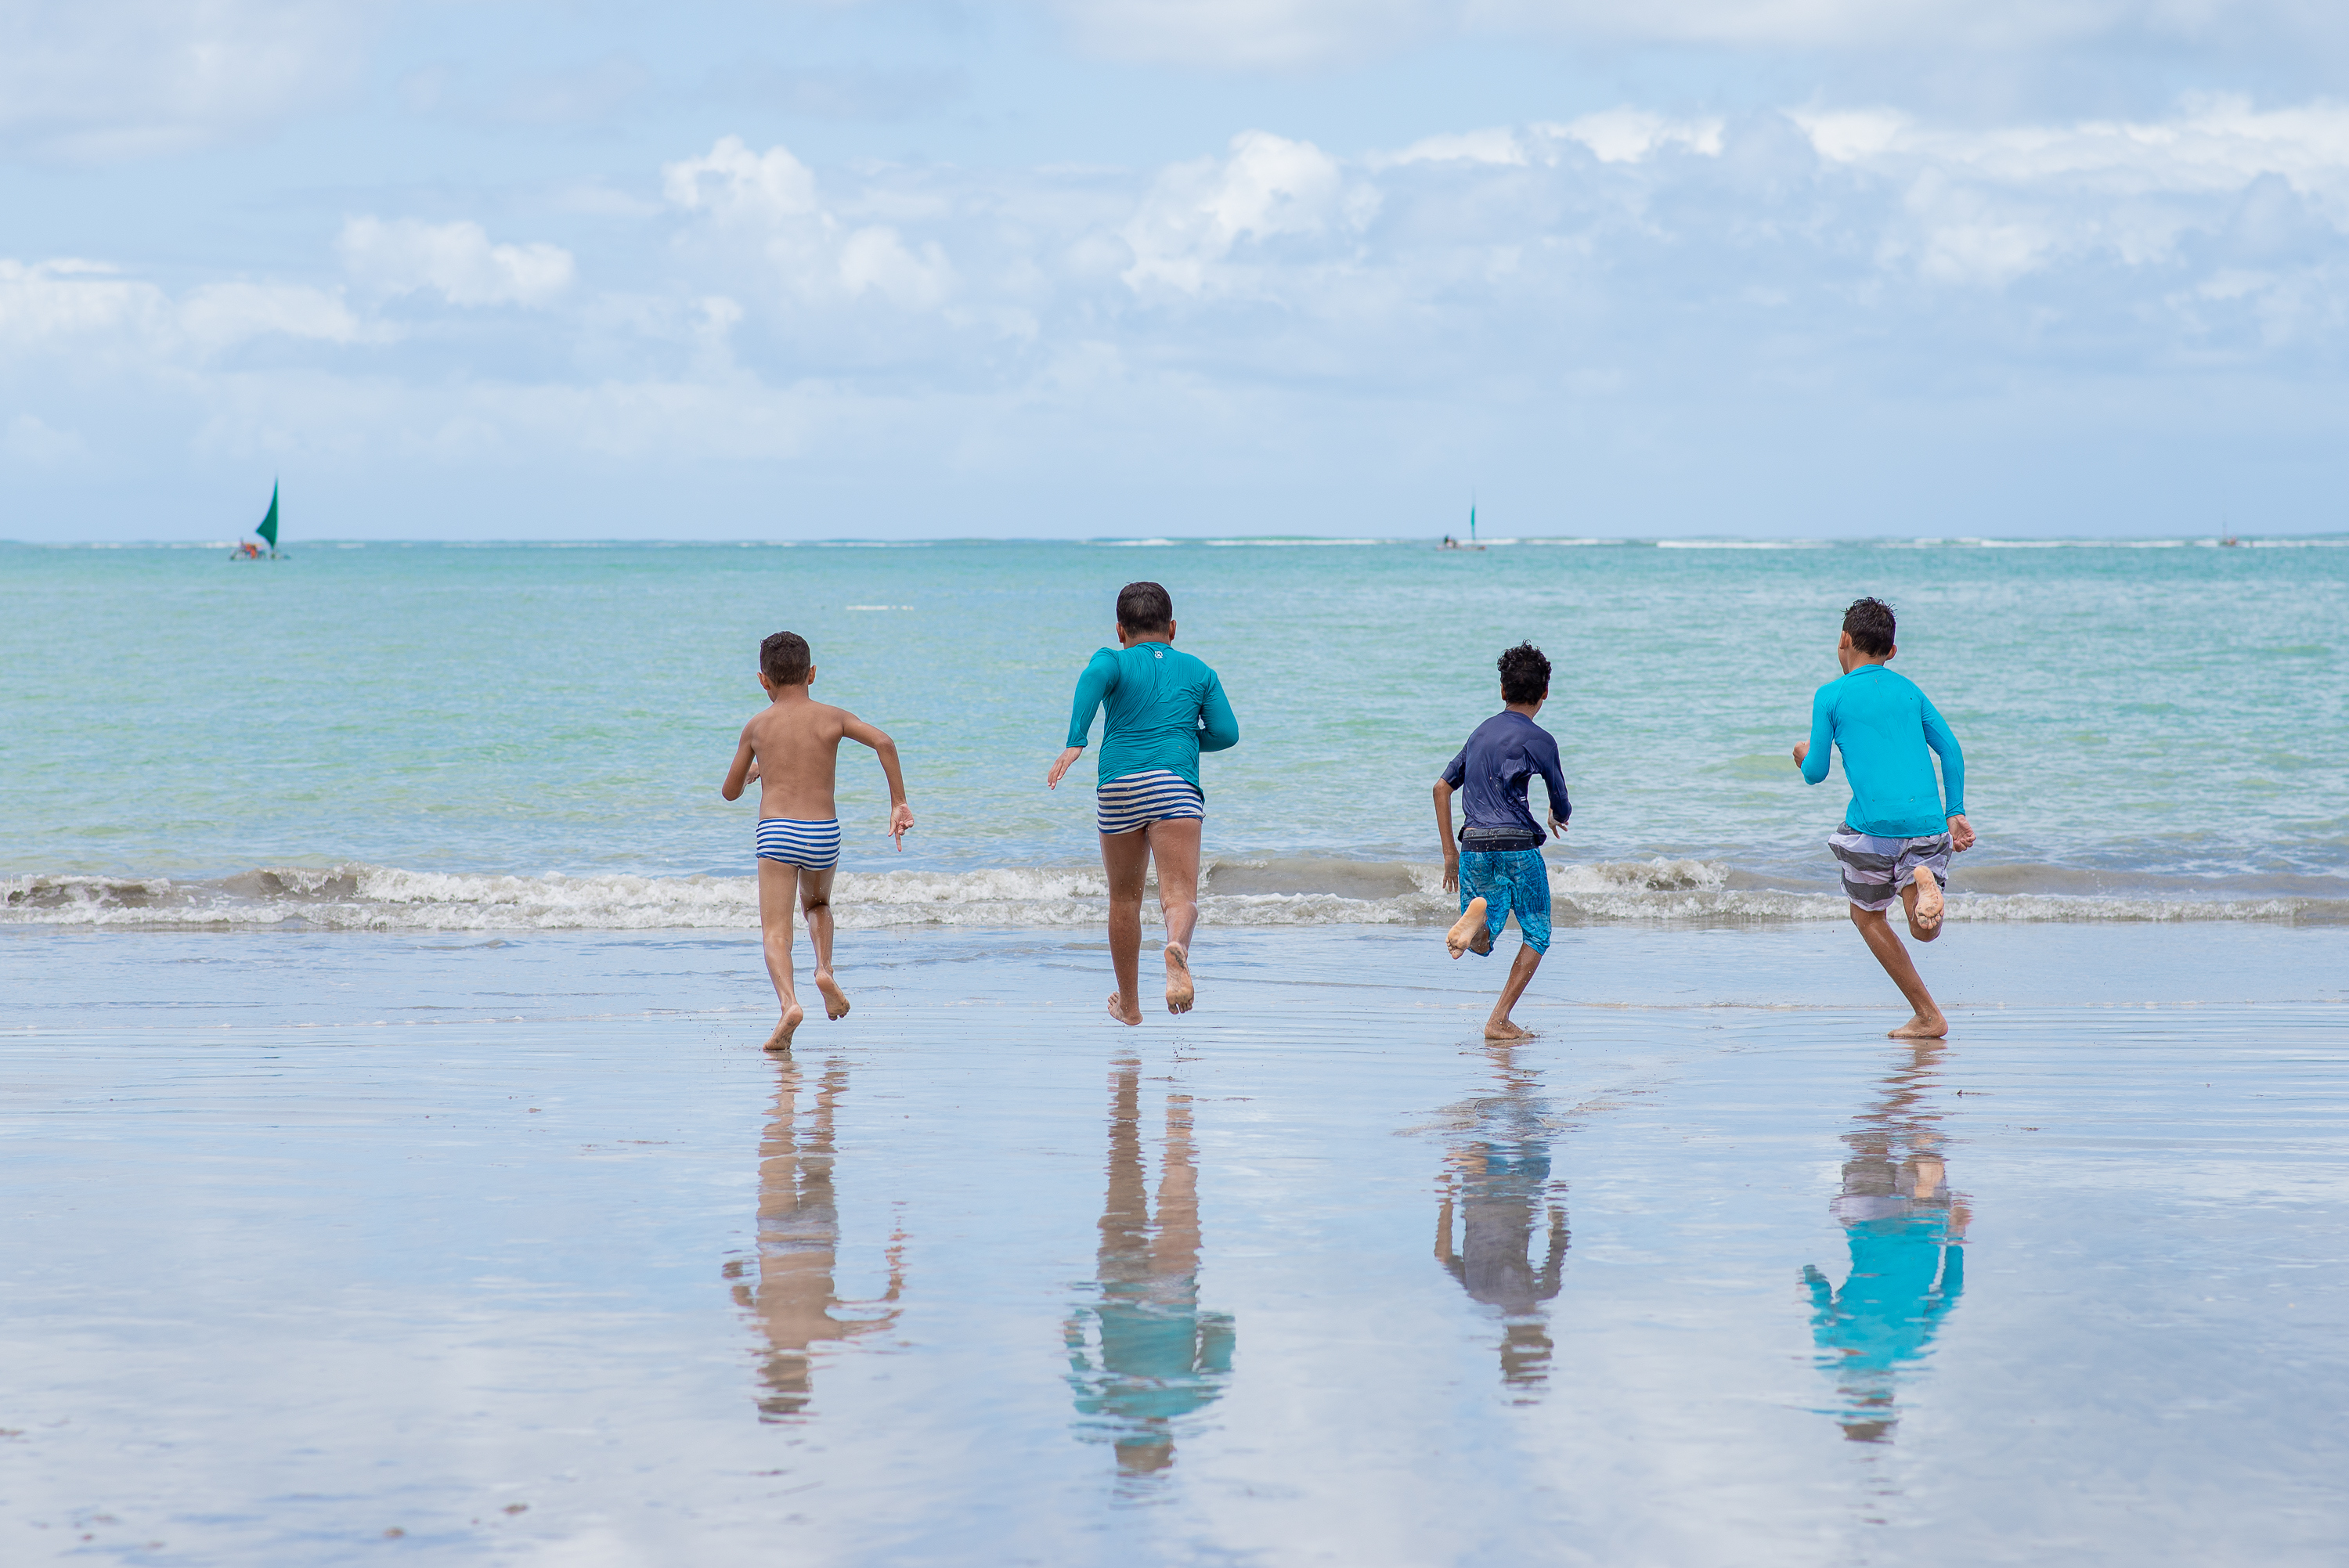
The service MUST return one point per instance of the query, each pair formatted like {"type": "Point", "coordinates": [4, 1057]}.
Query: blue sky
{"type": "Point", "coordinates": [1129, 267]}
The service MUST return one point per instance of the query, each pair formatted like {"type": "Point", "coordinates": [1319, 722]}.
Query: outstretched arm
{"type": "Point", "coordinates": [1092, 687]}
{"type": "Point", "coordinates": [1814, 754]}
{"type": "Point", "coordinates": [739, 774]}
{"type": "Point", "coordinates": [1221, 731]}
{"type": "Point", "coordinates": [1939, 736]}
{"type": "Point", "coordinates": [901, 815]}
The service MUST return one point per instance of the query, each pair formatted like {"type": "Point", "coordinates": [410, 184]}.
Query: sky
{"type": "Point", "coordinates": [1118, 268]}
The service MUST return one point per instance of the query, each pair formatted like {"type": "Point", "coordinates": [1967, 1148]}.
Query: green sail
{"type": "Point", "coordinates": [268, 528]}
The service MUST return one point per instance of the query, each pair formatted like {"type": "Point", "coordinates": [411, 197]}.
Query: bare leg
{"type": "Point", "coordinates": [777, 885]}
{"type": "Point", "coordinates": [1499, 1026]}
{"type": "Point", "coordinates": [1923, 898]}
{"type": "Point", "coordinates": [815, 902]}
{"type": "Point", "coordinates": [1125, 857]}
{"type": "Point", "coordinates": [1927, 1024]}
{"type": "Point", "coordinates": [1467, 929]}
{"type": "Point", "coordinates": [1174, 845]}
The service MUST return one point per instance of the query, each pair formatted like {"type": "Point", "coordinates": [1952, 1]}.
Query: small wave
{"type": "Point", "coordinates": [1304, 891]}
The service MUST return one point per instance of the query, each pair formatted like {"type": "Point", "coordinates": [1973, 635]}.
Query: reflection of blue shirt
{"type": "Point", "coordinates": [1884, 726]}
{"type": "Point", "coordinates": [1492, 772]}
{"type": "Point", "coordinates": [1905, 1275]}
{"type": "Point", "coordinates": [1158, 1359]}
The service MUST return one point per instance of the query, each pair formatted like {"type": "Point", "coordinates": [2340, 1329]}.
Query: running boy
{"type": "Point", "coordinates": [1161, 708]}
{"type": "Point", "coordinates": [793, 750]}
{"type": "Point", "coordinates": [1897, 832]}
{"type": "Point", "coordinates": [1497, 865]}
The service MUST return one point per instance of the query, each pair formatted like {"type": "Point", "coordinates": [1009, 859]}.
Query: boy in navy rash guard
{"type": "Point", "coordinates": [1497, 865]}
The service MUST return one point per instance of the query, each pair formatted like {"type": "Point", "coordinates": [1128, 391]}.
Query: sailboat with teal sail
{"type": "Point", "coordinates": [1470, 542]}
{"type": "Point", "coordinates": [248, 551]}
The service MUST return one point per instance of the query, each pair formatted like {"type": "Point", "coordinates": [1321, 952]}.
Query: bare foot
{"type": "Point", "coordinates": [835, 1000]}
{"type": "Point", "coordinates": [1179, 990]}
{"type": "Point", "coordinates": [780, 1040]}
{"type": "Point", "coordinates": [1117, 1010]}
{"type": "Point", "coordinates": [1923, 1026]}
{"type": "Point", "coordinates": [1463, 932]}
{"type": "Point", "coordinates": [1928, 899]}
{"type": "Point", "coordinates": [1505, 1030]}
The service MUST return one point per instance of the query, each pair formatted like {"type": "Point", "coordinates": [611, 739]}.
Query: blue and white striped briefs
{"type": "Point", "coordinates": [1138, 799]}
{"type": "Point", "coordinates": [811, 846]}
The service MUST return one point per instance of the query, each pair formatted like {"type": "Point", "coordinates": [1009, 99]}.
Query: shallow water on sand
{"type": "Point", "coordinates": [327, 1247]}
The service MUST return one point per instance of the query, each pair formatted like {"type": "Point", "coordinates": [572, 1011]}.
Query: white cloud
{"type": "Point", "coordinates": [114, 79]}
{"type": "Point", "coordinates": [1496, 144]}
{"type": "Point", "coordinates": [455, 259]}
{"type": "Point", "coordinates": [876, 259]}
{"type": "Point", "coordinates": [735, 184]}
{"type": "Point", "coordinates": [1198, 212]}
{"type": "Point", "coordinates": [219, 315]}
{"type": "Point", "coordinates": [1255, 35]}
{"type": "Point", "coordinates": [1628, 134]}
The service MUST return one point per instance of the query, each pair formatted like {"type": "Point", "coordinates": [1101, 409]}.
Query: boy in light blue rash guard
{"type": "Point", "coordinates": [1898, 832]}
{"type": "Point", "coordinates": [1163, 709]}
{"type": "Point", "coordinates": [1497, 863]}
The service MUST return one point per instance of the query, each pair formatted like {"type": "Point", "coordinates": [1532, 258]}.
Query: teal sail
{"type": "Point", "coordinates": [1472, 518]}
{"type": "Point", "coordinates": [268, 528]}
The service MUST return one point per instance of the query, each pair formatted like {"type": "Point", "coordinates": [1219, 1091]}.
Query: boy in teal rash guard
{"type": "Point", "coordinates": [1897, 832]}
{"type": "Point", "coordinates": [1163, 707]}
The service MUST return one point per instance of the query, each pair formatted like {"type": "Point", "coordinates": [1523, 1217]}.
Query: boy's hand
{"type": "Point", "coordinates": [1452, 873]}
{"type": "Point", "coordinates": [1060, 766]}
{"type": "Point", "coordinates": [901, 823]}
{"type": "Point", "coordinates": [1961, 835]}
{"type": "Point", "coordinates": [1556, 829]}
{"type": "Point", "coordinates": [1802, 750]}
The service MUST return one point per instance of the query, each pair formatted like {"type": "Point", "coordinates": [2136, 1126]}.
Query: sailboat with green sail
{"type": "Point", "coordinates": [248, 551]}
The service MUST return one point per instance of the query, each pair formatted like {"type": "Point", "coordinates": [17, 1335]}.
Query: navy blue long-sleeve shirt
{"type": "Point", "coordinates": [1491, 772]}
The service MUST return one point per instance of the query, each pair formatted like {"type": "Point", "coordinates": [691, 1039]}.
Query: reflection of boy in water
{"type": "Point", "coordinates": [1501, 1186]}
{"type": "Point", "coordinates": [1156, 1357]}
{"type": "Point", "coordinates": [1907, 1232]}
{"type": "Point", "coordinates": [799, 1245]}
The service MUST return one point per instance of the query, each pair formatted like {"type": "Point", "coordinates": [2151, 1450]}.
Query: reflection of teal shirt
{"type": "Point", "coordinates": [1162, 708]}
{"type": "Point", "coordinates": [1905, 1275]}
{"type": "Point", "coordinates": [1155, 1363]}
{"type": "Point", "coordinates": [1884, 726]}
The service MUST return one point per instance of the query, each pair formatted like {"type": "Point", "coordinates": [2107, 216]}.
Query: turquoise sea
{"type": "Point", "coordinates": [436, 736]}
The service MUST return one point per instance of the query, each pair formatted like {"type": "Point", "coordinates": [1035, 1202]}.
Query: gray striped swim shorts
{"type": "Point", "coordinates": [1874, 868]}
{"type": "Point", "coordinates": [1138, 799]}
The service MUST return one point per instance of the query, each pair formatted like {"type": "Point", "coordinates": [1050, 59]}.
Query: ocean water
{"type": "Point", "coordinates": [438, 736]}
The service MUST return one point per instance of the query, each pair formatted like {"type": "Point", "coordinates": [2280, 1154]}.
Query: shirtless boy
{"type": "Point", "coordinates": [793, 750]}
{"type": "Point", "coordinates": [1496, 862]}
{"type": "Point", "coordinates": [1898, 834]}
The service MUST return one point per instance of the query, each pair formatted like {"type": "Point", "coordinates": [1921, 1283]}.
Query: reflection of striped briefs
{"type": "Point", "coordinates": [1138, 799]}
{"type": "Point", "coordinates": [813, 846]}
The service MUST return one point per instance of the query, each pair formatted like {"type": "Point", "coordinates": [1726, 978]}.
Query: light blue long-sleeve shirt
{"type": "Point", "coordinates": [1163, 707]}
{"type": "Point", "coordinates": [1885, 728]}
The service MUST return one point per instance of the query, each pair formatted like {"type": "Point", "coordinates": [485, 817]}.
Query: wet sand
{"type": "Point", "coordinates": [525, 1251]}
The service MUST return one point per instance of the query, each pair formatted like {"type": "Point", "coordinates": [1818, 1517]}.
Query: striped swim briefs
{"type": "Point", "coordinates": [1138, 799]}
{"type": "Point", "coordinates": [810, 845]}
{"type": "Point", "coordinates": [1874, 868]}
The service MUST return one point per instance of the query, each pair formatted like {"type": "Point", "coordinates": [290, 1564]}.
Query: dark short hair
{"type": "Point", "coordinates": [1144, 607]}
{"type": "Point", "coordinates": [784, 659]}
{"type": "Point", "coordinates": [1869, 622]}
{"type": "Point", "coordinates": [1525, 674]}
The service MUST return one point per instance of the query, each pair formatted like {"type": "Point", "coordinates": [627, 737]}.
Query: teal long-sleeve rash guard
{"type": "Point", "coordinates": [1884, 726]}
{"type": "Point", "coordinates": [1163, 707]}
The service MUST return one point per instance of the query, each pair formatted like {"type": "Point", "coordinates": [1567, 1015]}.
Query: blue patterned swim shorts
{"type": "Point", "coordinates": [1510, 882]}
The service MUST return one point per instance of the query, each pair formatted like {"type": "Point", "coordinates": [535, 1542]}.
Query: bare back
{"type": "Point", "coordinates": [796, 743]}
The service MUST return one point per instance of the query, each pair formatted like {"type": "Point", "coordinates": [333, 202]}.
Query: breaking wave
{"type": "Point", "coordinates": [1307, 891]}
